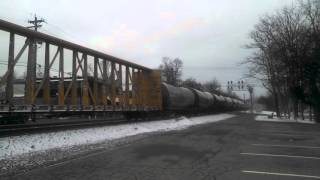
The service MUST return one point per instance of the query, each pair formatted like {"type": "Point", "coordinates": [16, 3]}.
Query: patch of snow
{"type": "Point", "coordinates": [276, 119]}
{"type": "Point", "coordinates": [249, 112]}
{"type": "Point", "coordinates": [267, 112]}
{"type": "Point", "coordinates": [18, 145]}
{"type": "Point", "coordinates": [260, 112]}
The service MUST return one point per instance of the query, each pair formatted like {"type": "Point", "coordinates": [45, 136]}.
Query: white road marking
{"type": "Point", "coordinates": [291, 133]}
{"type": "Point", "coordinates": [285, 134]}
{"type": "Point", "coordinates": [281, 155]}
{"type": "Point", "coordinates": [281, 174]}
{"type": "Point", "coordinates": [287, 146]}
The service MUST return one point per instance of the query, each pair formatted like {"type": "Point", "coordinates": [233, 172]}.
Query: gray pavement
{"type": "Point", "coordinates": [237, 148]}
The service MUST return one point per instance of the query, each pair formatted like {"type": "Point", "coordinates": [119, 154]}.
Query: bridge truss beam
{"type": "Point", "coordinates": [114, 81]}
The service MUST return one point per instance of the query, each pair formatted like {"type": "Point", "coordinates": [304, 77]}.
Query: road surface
{"type": "Point", "coordinates": [238, 148]}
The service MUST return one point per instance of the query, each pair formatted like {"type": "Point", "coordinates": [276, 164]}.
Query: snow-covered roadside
{"type": "Point", "coordinates": [258, 112]}
{"type": "Point", "coordinates": [275, 119]}
{"type": "Point", "coordinates": [27, 144]}
{"type": "Point", "coordinates": [271, 116]}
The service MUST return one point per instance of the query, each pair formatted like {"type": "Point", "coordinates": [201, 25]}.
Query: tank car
{"type": "Point", "coordinates": [228, 102]}
{"type": "Point", "coordinates": [210, 96]}
{"type": "Point", "coordinates": [177, 98]}
{"type": "Point", "coordinates": [203, 100]}
{"type": "Point", "coordinates": [219, 100]}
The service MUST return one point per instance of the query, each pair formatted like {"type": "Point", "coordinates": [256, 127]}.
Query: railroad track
{"type": "Point", "coordinates": [21, 129]}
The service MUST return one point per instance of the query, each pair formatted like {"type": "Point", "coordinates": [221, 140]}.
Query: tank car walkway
{"type": "Point", "coordinates": [237, 148]}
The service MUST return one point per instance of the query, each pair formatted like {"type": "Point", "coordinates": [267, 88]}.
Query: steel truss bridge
{"type": "Point", "coordinates": [116, 84]}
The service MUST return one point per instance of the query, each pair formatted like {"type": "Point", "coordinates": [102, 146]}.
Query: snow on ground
{"type": "Point", "coordinates": [266, 116]}
{"type": "Point", "coordinates": [18, 145]}
{"type": "Point", "coordinates": [259, 112]}
{"type": "Point", "coordinates": [267, 112]}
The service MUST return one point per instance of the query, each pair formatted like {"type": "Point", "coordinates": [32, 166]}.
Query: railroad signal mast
{"type": "Point", "coordinates": [236, 87]}
{"type": "Point", "coordinates": [241, 86]}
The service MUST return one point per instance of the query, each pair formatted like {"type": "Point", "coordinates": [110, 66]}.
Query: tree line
{"type": "Point", "coordinates": [171, 69]}
{"type": "Point", "coordinates": [286, 58]}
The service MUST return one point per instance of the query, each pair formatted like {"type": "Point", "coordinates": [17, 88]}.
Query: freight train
{"type": "Point", "coordinates": [183, 99]}
{"type": "Point", "coordinates": [114, 86]}
{"type": "Point", "coordinates": [189, 101]}
{"type": "Point", "coordinates": [156, 98]}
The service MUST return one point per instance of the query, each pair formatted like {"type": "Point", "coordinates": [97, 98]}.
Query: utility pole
{"type": "Point", "coordinates": [32, 63]}
{"type": "Point", "coordinates": [36, 23]}
{"type": "Point", "coordinates": [250, 89]}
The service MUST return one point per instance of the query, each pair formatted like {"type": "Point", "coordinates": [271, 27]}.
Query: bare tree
{"type": "Point", "coordinates": [39, 73]}
{"type": "Point", "coordinates": [90, 70]}
{"type": "Point", "coordinates": [192, 83]}
{"type": "Point", "coordinates": [266, 101]}
{"type": "Point", "coordinates": [212, 86]}
{"type": "Point", "coordinates": [286, 44]}
{"type": "Point", "coordinates": [171, 70]}
{"type": "Point", "coordinates": [311, 67]}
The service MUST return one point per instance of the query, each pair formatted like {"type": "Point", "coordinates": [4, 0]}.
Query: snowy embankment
{"type": "Point", "coordinates": [271, 116]}
{"type": "Point", "coordinates": [18, 145]}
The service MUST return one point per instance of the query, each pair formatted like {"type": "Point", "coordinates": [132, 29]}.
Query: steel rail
{"type": "Point", "coordinates": [11, 130]}
{"type": "Point", "coordinates": [20, 30]}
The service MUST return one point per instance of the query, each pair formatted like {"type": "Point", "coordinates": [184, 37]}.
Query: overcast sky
{"type": "Point", "coordinates": [208, 35]}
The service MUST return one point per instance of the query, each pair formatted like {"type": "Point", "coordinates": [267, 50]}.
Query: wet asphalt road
{"type": "Point", "coordinates": [237, 148]}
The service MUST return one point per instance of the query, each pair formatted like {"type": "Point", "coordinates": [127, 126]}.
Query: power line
{"type": "Point", "coordinates": [68, 35]}
{"type": "Point", "coordinates": [22, 64]}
